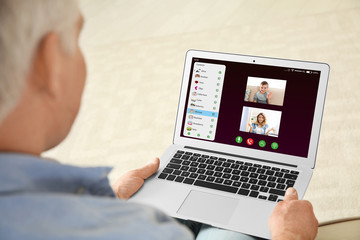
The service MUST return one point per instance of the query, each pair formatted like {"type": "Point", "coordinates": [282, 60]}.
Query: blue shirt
{"type": "Point", "coordinates": [41, 199]}
{"type": "Point", "coordinates": [256, 126]}
{"type": "Point", "coordinates": [261, 98]}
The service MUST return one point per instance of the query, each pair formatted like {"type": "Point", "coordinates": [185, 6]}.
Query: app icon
{"type": "Point", "coordinates": [191, 110]}
{"type": "Point", "coordinates": [194, 93]}
{"type": "Point", "coordinates": [189, 122]}
{"type": "Point", "coordinates": [238, 139]}
{"type": "Point", "coordinates": [196, 87]}
{"type": "Point", "coordinates": [189, 133]}
{"type": "Point", "coordinates": [196, 81]}
{"type": "Point", "coordinates": [188, 128]}
{"type": "Point", "coordinates": [191, 116]}
{"type": "Point", "coordinates": [274, 145]}
{"type": "Point", "coordinates": [197, 75]}
{"type": "Point", "coordinates": [193, 99]}
{"type": "Point", "coordinates": [191, 104]}
{"type": "Point", "coordinates": [262, 143]}
{"type": "Point", "coordinates": [250, 141]}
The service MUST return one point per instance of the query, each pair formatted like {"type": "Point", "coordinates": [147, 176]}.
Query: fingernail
{"type": "Point", "coordinates": [291, 191]}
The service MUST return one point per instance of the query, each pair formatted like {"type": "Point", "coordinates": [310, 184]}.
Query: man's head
{"type": "Point", "coordinates": [42, 70]}
{"type": "Point", "coordinates": [264, 86]}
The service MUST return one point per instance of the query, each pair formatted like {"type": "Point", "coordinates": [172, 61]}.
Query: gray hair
{"type": "Point", "coordinates": [23, 24]}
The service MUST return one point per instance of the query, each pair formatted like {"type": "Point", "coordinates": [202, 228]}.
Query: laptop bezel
{"type": "Point", "coordinates": [248, 152]}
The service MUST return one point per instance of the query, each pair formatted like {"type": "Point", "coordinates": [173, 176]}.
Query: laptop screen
{"type": "Point", "coordinates": [253, 106]}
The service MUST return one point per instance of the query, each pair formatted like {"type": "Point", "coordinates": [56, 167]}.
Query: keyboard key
{"type": "Point", "coordinates": [254, 175]}
{"type": "Point", "coordinates": [273, 198]}
{"type": "Point", "coordinates": [163, 176]}
{"type": "Point", "coordinates": [228, 182]}
{"type": "Point", "coordinates": [171, 177]}
{"type": "Point", "coordinates": [186, 162]}
{"type": "Point", "coordinates": [235, 166]}
{"type": "Point", "coordinates": [264, 189]}
{"type": "Point", "coordinates": [239, 162]}
{"type": "Point", "coordinates": [209, 172]}
{"type": "Point", "coordinates": [177, 155]}
{"type": "Point", "coordinates": [230, 161]}
{"type": "Point", "coordinates": [210, 167]}
{"type": "Point", "coordinates": [217, 174]}
{"type": "Point", "coordinates": [205, 156]}
{"type": "Point", "coordinates": [245, 185]}
{"type": "Point", "coordinates": [202, 177]}
{"type": "Point", "coordinates": [210, 179]}
{"type": "Point", "coordinates": [236, 172]}
{"type": "Point", "coordinates": [194, 164]}
{"type": "Point", "coordinates": [202, 165]}
{"type": "Point", "coordinates": [235, 177]}
{"type": "Point", "coordinates": [244, 192]}
{"type": "Point", "coordinates": [209, 161]}
{"type": "Point", "coordinates": [193, 175]}
{"type": "Point", "coordinates": [253, 181]}
{"type": "Point", "coordinates": [243, 167]}
{"type": "Point", "coordinates": [254, 187]}
{"type": "Point", "coordinates": [269, 172]}
{"type": "Point", "coordinates": [252, 169]}
{"type": "Point", "coordinates": [262, 183]}
{"type": "Point", "coordinates": [284, 170]}
{"type": "Point", "coordinates": [181, 152]}
{"type": "Point", "coordinates": [266, 167]}
{"type": "Point", "coordinates": [290, 183]}
{"type": "Point", "coordinates": [262, 197]}
{"type": "Point", "coordinates": [280, 186]}
{"type": "Point", "coordinates": [177, 172]}
{"type": "Point", "coordinates": [173, 166]}
{"type": "Point", "coordinates": [226, 164]}
{"type": "Point", "coordinates": [290, 176]}
{"type": "Point", "coordinates": [167, 170]}
{"type": "Point", "coordinates": [196, 154]}
{"type": "Point", "coordinates": [201, 160]}
{"type": "Point", "coordinates": [261, 171]}
{"type": "Point", "coordinates": [217, 163]}
{"type": "Point", "coordinates": [279, 174]}
{"type": "Point", "coordinates": [185, 174]}
{"type": "Point", "coordinates": [294, 172]}
{"type": "Point", "coordinates": [226, 175]}
{"type": "Point", "coordinates": [275, 169]}
{"type": "Point", "coordinates": [185, 157]}
{"type": "Point", "coordinates": [277, 192]}
{"type": "Point", "coordinates": [227, 170]}
{"type": "Point", "coordinates": [213, 158]}
{"type": "Point", "coordinates": [236, 184]}
{"type": "Point", "coordinates": [188, 153]}
{"type": "Point", "coordinates": [184, 168]}
{"type": "Point", "coordinates": [216, 186]}
{"type": "Point", "coordinates": [179, 179]}
{"type": "Point", "coordinates": [271, 179]}
{"type": "Point", "coordinates": [248, 164]}
{"type": "Point", "coordinates": [201, 171]}
{"type": "Point", "coordinates": [222, 159]}
{"type": "Point", "coordinates": [257, 165]}
{"type": "Point", "coordinates": [280, 180]}
{"type": "Point", "coordinates": [193, 169]}
{"type": "Point", "coordinates": [262, 177]}
{"type": "Point", "coordinates": [271, 184]}
{"type": "Point", "coordinates": [219, 169]}
{"type": "Point", "coordinates": [244, 179]}
{"type": "Point", "coordinates": [254, 194]}
{"type": "Point", "coordinates": [189, 180]}
{"type": "Point", "coordinates": [219, 180]}
{"type": "Point", "coordinates": [193, 158]}
{"type": "Point", "coordinates": [244, 173]}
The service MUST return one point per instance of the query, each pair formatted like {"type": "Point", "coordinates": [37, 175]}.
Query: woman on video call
{"type": "Point", "coordinates": [260, 126]}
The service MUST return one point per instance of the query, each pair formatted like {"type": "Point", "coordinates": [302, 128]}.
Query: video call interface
{"type": "Point", "coordinates": [250, 105]}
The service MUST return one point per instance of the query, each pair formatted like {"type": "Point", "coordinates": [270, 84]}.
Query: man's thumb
{"type": "Point", "coordinates": [150, 168]}
{"type": "Point", "coordinates": [291, 194]}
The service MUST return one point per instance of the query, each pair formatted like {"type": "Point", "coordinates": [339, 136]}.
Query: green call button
{"type": "Point", "coordinates": [262, 143]}
{"type": "Point", "coordinates": [274, 145]}
{"type": "Point", "coordinates": [238, 139]}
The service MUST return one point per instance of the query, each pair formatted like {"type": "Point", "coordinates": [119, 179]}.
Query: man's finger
{"type": "Point", "coordinates": [291, 194]}
{"type": "Point", "coordinates": [149, 169]}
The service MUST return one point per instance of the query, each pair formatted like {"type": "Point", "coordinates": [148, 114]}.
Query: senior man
{"type": "Point", "coordinates": [42, 76]}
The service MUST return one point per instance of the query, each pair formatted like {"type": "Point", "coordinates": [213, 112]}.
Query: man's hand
{"type": "Point", "coordinates": [293, 219]}
{"type": "Point", "coordinates": [132, 181]}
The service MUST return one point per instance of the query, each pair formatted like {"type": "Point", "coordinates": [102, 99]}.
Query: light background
{"type": "Point", "coordinates": [273, 83]}
{"type": "Point", "coordinates": [135, 53]}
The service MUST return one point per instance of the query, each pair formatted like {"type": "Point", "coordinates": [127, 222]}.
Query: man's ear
{"type": "Point", "coordinates": [45, 74]}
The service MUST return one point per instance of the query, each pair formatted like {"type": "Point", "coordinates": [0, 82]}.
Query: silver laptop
{"type": "Point", "coordinates": [247, 128]}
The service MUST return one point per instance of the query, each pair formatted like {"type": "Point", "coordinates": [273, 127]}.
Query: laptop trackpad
{"type": "Point", "coordinates": [209, 207]}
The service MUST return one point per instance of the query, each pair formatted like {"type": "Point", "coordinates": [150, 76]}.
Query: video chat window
{"type": "Point", "coordinates": [265, 91]}
{"type": "Point", "coordinates": [260, 121]}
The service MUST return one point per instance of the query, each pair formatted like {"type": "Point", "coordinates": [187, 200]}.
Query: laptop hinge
{"type": "Point", "coordinates": [240, 156]}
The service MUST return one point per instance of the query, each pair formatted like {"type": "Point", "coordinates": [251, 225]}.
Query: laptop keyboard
{"type": "Point", "coordinates": [238, 177]}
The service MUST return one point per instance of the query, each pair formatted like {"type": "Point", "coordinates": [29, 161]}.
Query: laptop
{"type": "Point", "coordinates": [247, 128]}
